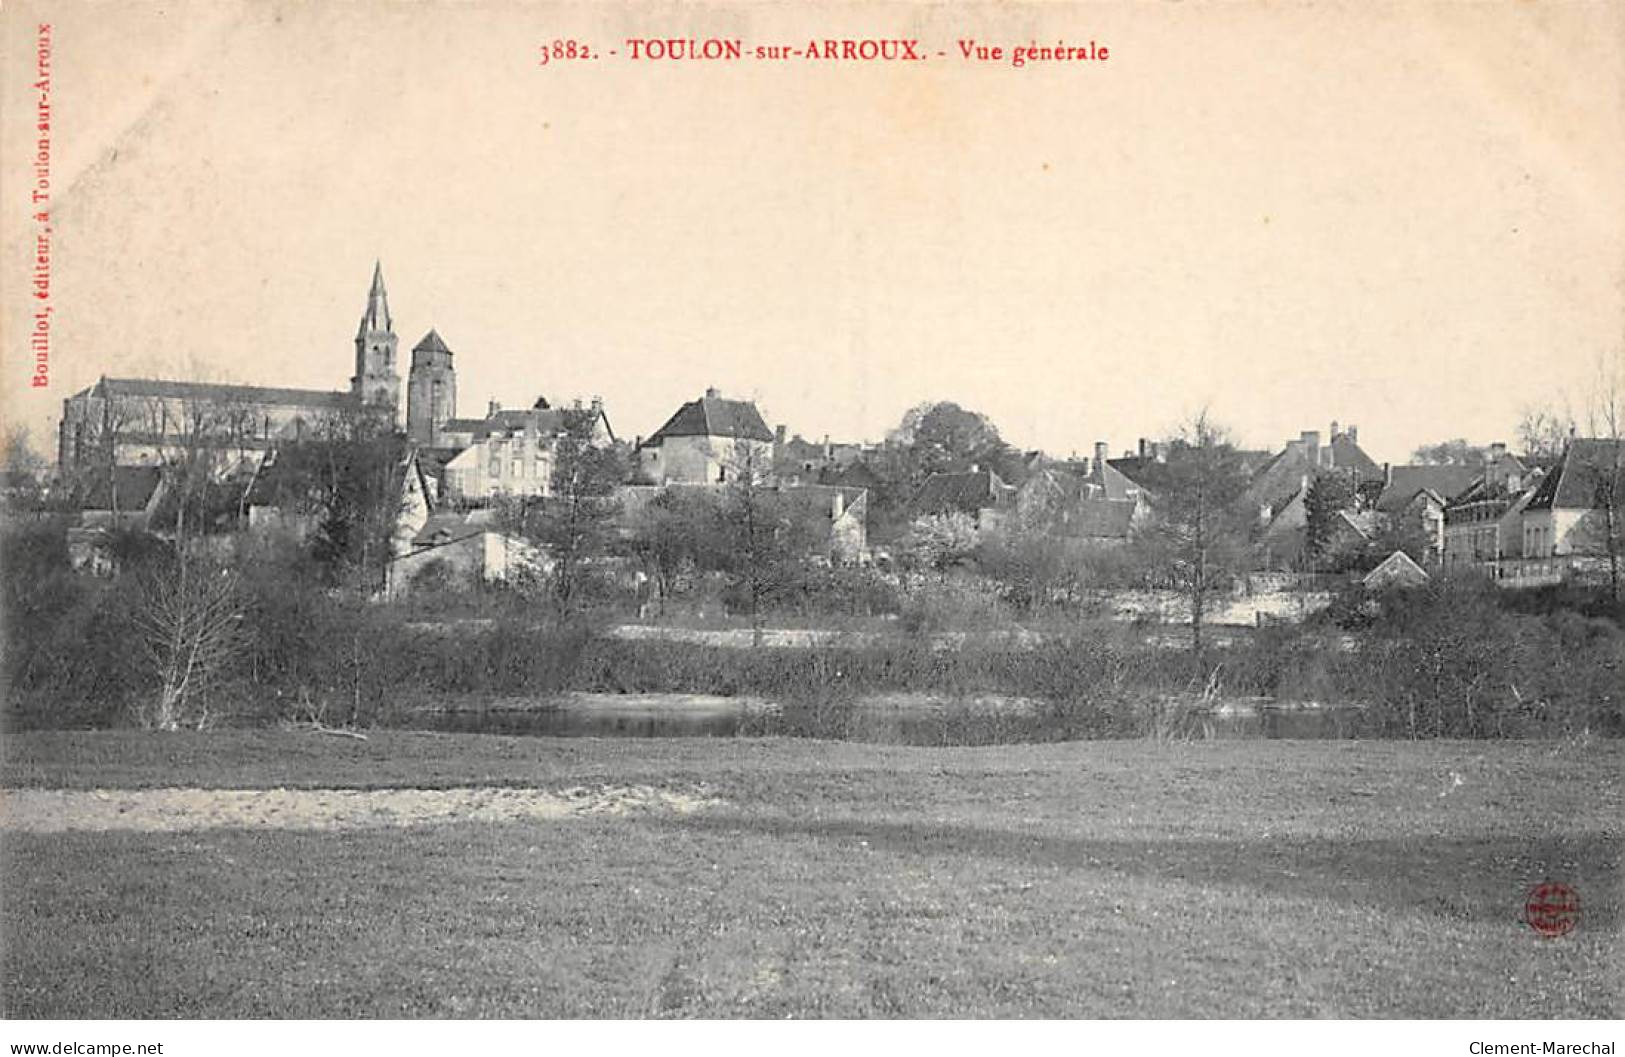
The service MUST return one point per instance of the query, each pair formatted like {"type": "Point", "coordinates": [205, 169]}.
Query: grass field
{"type": "Point", "coordinates": [1208, 879]}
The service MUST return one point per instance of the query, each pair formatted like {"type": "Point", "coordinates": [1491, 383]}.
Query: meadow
{"type": "Point", "coordinates": [1125, 878]}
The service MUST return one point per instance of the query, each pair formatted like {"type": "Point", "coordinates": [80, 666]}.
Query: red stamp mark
{"type": "Point", "coordinates": [1552, 909]}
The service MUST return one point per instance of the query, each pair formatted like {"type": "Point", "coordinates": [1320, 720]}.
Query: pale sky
{"type": "Point", "coordinates": [1410, 217]}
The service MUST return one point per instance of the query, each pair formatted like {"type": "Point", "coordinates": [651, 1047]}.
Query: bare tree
{"type": "Point", "coordinates": [17, 452]}
{"type": "Point", "coordinates": [935, 543]}
{"type": "Point", "coordinates": [764, 536]}
{"type": "Point", "coordinates": [1197, 537]}
{"type": "Point", "coordinates": [1454, 452]}
{"type": "Point", "coordinates": [674, 532]}
{"type": "Point", "coordinates": [189, 619]}
{"type": "Point", "coordinates": [1601, 461]}
{"type": "Point", "coordinates": [92, 456]}
{"type": "Point", "coordinates": [576, 521]}
{"type": "Point", "coordinates": [355, 465]}
{"type": "Point", "coordinates": [189, 613]}
{"type": "Point", "coordinates": [1543, 431]}
{"type": "Point", "coordinates": [22, 465]}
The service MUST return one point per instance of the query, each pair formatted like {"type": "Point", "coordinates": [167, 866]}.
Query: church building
{"type": "Point", "coordinates": [148, 421]}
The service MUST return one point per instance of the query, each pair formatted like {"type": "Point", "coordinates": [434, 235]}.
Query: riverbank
{"type": "Point", "coordinates": [1124, 878]}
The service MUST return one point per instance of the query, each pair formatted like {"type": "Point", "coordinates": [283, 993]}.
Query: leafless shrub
{"type": "Point", "coordinates": [189, 621]}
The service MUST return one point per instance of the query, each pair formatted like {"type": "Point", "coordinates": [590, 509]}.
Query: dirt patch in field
{"type": "Point", "coordinates": [166, 810]}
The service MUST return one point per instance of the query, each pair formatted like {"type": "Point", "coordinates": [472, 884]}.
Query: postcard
{"type": "Point", "coordinates": [879, 510]}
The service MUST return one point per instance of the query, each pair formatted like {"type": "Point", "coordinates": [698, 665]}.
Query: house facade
{"type": "Point", "coordinates": [712, 440]}
{"type": "Point", "coordinates": [511, 452]}
{"type": "Point", "coordinates": [980, 494]}
{"type": "Point", "coordinates": [1076, 507]}
{"type": "Point", "coordinates": [1284, 478]}
{"type": "Point", "coordinates": [1569, 513]}
{"type": "Point", "coordinates": [1415, 497]}
{"type": "Point", "coordinates": [836, 517]}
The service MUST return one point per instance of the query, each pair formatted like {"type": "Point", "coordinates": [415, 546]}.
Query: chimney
{"type": "Point", "coordinates": [829, 449]}
{"type": "Point", "coordinates": [1353, 433]}
{"type": "Point", "coordinates": [713, 393]}
{"type": "Point", "coordinates": [598, 403]}
{"type": "Point", "coordinates": [1100, 457]}
{"type": "Point", "coordinates": [1387, 474]}
{"type": "Point", "coordinates": [1142, 449]}
{"type": "Point", "coordinates": [495, 406]}
{"type": "Point", "coordinates": [779, 433]}
{"type": "Point", "coordinates": [1498, 449]}
{"type": "Point", "coordinates": [1334, 429]}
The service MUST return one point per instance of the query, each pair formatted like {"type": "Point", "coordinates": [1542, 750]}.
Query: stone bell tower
{"type": "Point", "coordinates": [375, 385]}
{"type": "Point", "coordinates": [431, 390]}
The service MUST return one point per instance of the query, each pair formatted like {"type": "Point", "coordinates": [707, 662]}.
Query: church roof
{"type": "Point", "coordinates": [217, 392]}
{"type": "Point", "coordinates": [376, 317]}
{"type": "Point", "coordinates": [431, 342]}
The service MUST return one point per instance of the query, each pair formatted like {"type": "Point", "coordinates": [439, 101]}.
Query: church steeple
{"type": "Point", "coordinates": [375, 384]}
{"type": "Point", "coordinates": [376, 317]}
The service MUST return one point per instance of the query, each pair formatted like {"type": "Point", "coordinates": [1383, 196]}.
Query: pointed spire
{"type": "Point", "coordinates": [432, 342]}
{"type": "Point", "coordinates": [377, 314]}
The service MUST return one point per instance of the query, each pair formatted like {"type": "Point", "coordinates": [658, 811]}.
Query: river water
{"type": "Point", "coordinates": [892, 719]}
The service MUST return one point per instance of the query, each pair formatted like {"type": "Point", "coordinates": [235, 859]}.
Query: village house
{"type": "Point", "coordinates": [1415, 497]}
{"type": "Point", "coordinates": [799, 461]}
{"type": "Point", "coordinates": [1483, 528]}
{"type": "Point", "coordinates": [1099, 507]}
{"type": "Point", "coordinates": [1397, 570]}
{"type": "Point", "coordinates": [1569, 513]}
{"type": "Point", "coordinates": [837, 517]}
{"type": "Point", "coordinates": [978, 493]}
{"type": "Point", "coordinates": [711, 440]}
{"type": "Point", "coordinates": [437, 545]}
{"type": "Point", "coordinates": [1285, 537]}
{"type": "Point", "coordinates": [1483, 525]}
{"type": "Point", "coordinates": [125, 498]}
{"type": "Point", "coordinates": [511, 452]}
{"type": "Point", "coordinates": [1280, 485]}
{"type": "Point", "coordinates": [1122, 479]}
{"type": "Point", "coordinates": [462, 549]}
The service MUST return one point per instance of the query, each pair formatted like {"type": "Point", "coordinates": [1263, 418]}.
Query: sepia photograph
{"type": "Point", "coordinates": [870, 511]}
